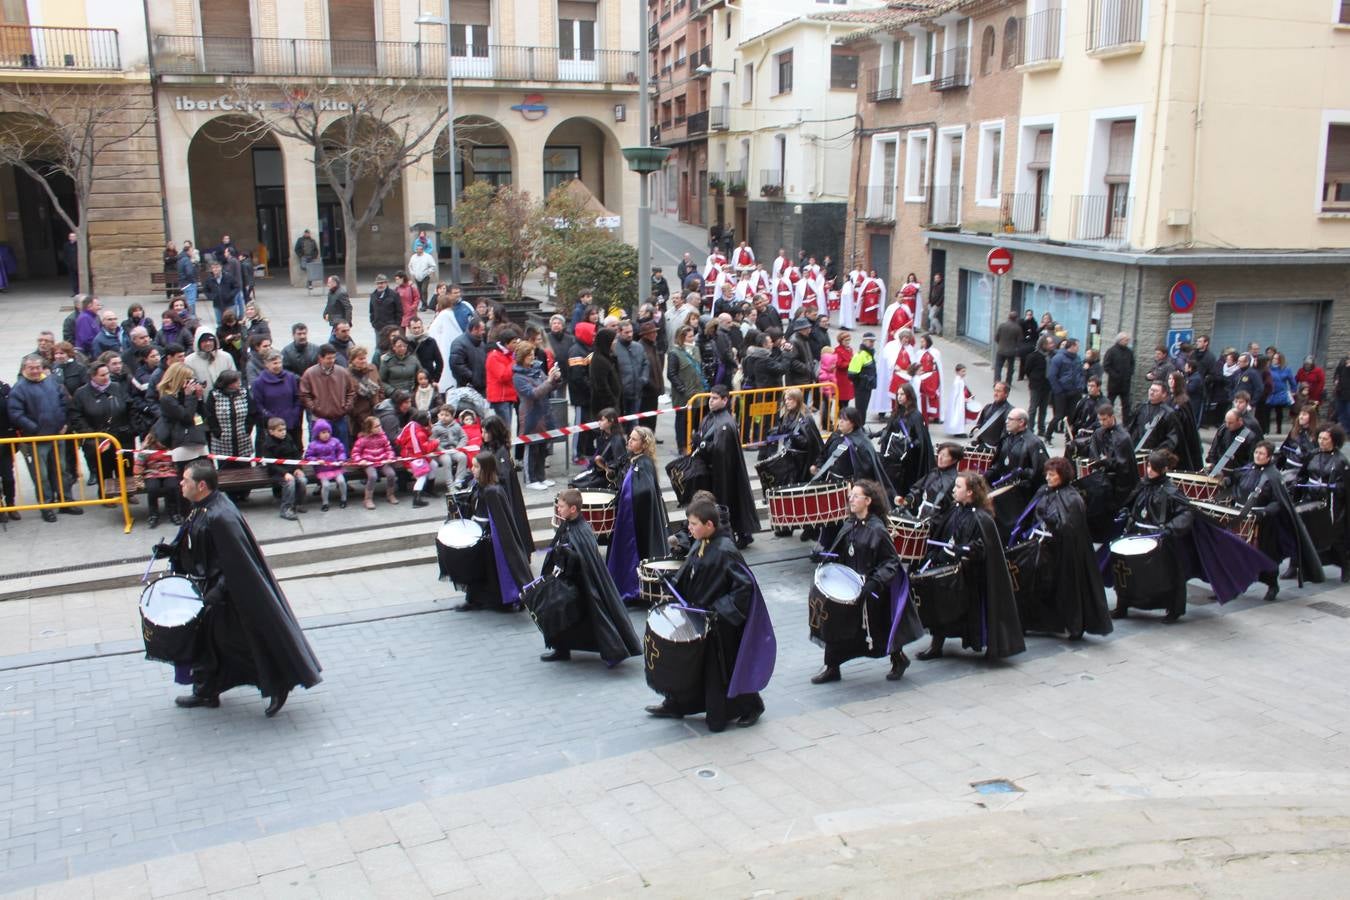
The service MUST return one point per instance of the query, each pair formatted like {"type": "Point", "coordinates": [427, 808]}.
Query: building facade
{"type": "Point", "coordinates": [544, 92]}
{"type": "Point", "coordinates": [72, 56]}
{"type": "Point", "coordinates": [1161, 183]}
{"type": "Point", "coordinates": [939, 94]}
{"type": "Point", "coordinates": [679, 40]}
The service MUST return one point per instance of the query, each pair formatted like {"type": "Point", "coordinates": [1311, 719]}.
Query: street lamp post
{"type": "Point", "coordinates": [444, 19]}
{"type": "Point", "coordinates": [644, 159]}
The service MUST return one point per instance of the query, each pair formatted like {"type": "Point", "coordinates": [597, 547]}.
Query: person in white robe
{"type": "Point", "coordinates": [962, 410]}
{"type": "Point", "coordinates": [444, 329]}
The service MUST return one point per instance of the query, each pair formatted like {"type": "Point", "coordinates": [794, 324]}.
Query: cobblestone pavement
{"type": "Point", "coordinates": [439, 755]}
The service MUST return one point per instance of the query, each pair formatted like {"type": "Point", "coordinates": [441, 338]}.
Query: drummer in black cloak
{"type": "Point", "coordinates": [609, 457]}
{"type": "Point", "coordinates": [906, 449]}
{"type": "Point", "coordinates": [1107, 489]}
{"type": "Point", "coordinates": [931, 497]}
{"type": "Point", "coordinates": [640, 517]}
{"type": "Point", "coordinates": [741, 649]}
{"type": "Point", "coordinates": [1326, 476]}
{"type": "Point", "coordinates": [1056, 578]}
{"type": "Point", "coordinates": [1190, 546]}
{"type": "Point", "coordinates": [1281, 534]}
{"type": "Point", "coordinates": [890, 619]}
{"type": "Point", "coordinates": [849, 455]}
{"type": "Point", "coordinates": [574, 557]}
{"type": "Point", "coordinates": [248, 634]}
{"type": "Point", "coordinates": [796, 433]}
{"type": "Point", "coordinates": [718, 442]}
{"type": "Point", "coordinates": [509, 570]}
{"type": "Point", "coordinates": [681, 541]}
{"type": "Point", "coordinates": [985, 615]}
{"type": "Point", "coordinates": [497, 442]}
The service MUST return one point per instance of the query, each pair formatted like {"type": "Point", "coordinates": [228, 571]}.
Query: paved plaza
{"type": "Point", "coordinates": [439, 757]}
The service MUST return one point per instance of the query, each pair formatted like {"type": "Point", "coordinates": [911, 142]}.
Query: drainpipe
{"type": "Point", "coordinates": [159, 131]}
{"type": "Point", "coordinates": [1202, 79]}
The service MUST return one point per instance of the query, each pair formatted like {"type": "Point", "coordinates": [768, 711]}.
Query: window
{"type": "Point", "coordinates": [1112, 23]}
{"type": "Point", "coordinates": [1336, 174]}
{"type": "Point", "coordinates": [925, 48]}
{"type": "Point", "coordinates": [491, 164]}
{"type": "Point", "coordinates": [1012, 36]}
{"type": "Point", "coordinates": [989, 175]}
{"type": "Point", "coordinates": [881, 180]}
{"type": "Point", "coordinates": [679, 52]}
{"type": "Point", "coordinates": [561, 165]}
{"type": "Point", "coordinates": [748, 83]}
{"type": "Point", "coordinates": [576, 30]}
{"type": "Point", "coordinates": [1345, 12]}
{"type": "Point", "coordinates": [987, 50]}
{"type": "Point", "coordinates": [843, 69]}
{"type": "Point", "coordinates": [916, 166]}
{"type": "Point", "coordinates": [1032, 202]}
{"type": "Point", "coordinates": [1119, 157]}
{"type": "Point", "coordinates": [782, 72]}
{"type": "Point", "coordinates": [888, 75]}
{"type": "Point", "coordinates": [470, 21]}
{"type": "Point", "coordinates": [728, 35]}
{"type": "Point", "coordinates": [680, 107]}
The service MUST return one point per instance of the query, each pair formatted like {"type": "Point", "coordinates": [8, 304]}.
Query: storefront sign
{"type": "Point", "coordinates": [238, 104]}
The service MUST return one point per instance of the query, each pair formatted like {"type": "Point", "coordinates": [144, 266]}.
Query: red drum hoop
{"type": "Point", "coordinates": [600, 508]}
{"type": "Point", "coordinates": [975, 460]}
{"type": "Point", "coordinates": [808, 504]}
{"type": "Point", "coordinates": [910, 537]}
{"type": "Point", "coordinates": [1245, 527]}
{"type": "Point", "coordinates": [1196, 486]}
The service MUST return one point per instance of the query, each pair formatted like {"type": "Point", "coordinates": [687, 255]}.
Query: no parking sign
{"type": "Point", "coordinates": [1182, 296]}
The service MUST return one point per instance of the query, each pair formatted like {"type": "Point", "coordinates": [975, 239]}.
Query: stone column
{"type": "Point", "coordinates": [302, 199]}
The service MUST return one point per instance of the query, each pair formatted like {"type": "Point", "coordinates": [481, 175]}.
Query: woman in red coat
{"type": "Point", "coordinates": [1315, 377]}
{"type": "Point", "coordinates": [843, 355]}
{"type": "Point", "coordinates": [501, 359]}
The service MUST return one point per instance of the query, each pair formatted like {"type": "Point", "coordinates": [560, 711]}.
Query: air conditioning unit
{"type": "Point", "coordinates": [1178, 217]}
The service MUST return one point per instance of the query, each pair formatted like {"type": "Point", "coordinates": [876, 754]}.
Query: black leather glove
{"type": "Point", "coordinates": [162, 550]}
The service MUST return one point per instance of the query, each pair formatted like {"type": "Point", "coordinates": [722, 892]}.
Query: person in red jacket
{"type": "Point", "coordinates": [1315, 377]}
{"type": "Point", "coordinates": [501, 359]}
{"type": "Point", "coordinates": [843, 356]}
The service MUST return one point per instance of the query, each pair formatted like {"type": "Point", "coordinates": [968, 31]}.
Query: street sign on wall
{"type": "Point", "coordinates": [1182, 296]}
{"type": "Point", "coordinates": [999, 261]}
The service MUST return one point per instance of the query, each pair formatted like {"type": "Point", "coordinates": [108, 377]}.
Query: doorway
{"type": "Point", "coordinates": [41, 228]}
{"type": "Point", "coordinates": [332, 236]}
{"type": "Point", "coordinates": [879, 255]}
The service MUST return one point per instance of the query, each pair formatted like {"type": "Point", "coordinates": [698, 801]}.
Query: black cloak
{"type": "Point", "coordinates": [613, 452]}
{"type": "Point", "coordinates": [866, 548]}
{"type": "Point", "coordinates": [605, 629]}
{"type": "Point", "coordinates": [509, 480]}
{"type": "Point", "coordinates": [248, 633]}
{"type": "Point", "coordinates": [798, 432]}
{"type": "Point", "coordinates": [990, 622]}
{"type": "Point", "coordinates": [639, 526]}
{"type": "Point", "coordinates": [989, 426]}
{"type": "Point", "coordinates": [904, 471]}
{"type": "Point", "coordinates": [1281, 533]}
{"type": "Point", "coordinates": [1019, 461]}
{"type": "Point", "coordinates": [1330, 473]}
{"type": "Point", "coordinates": [1223, 440]}
{"type": "Point", "coordinates": [719, 444]}
{"type": "Point", "coordinates": [715, 577]}
{"type": "Point", "coordinates": [1072, 597]}
{"type": "Point", "coordinates": [1190, 456]}
{"type": "Point", "coordinates": [851, 457]}
{"type": "Point", "coordinates": [1164, 435]}
{"type": "Point", "coordinates": [510, 567]}
{"type": "Point", "coordinates": [936, 489]}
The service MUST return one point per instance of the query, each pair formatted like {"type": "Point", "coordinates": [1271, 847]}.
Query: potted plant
{"type": "Point", "coordinates": [716, 185]}
{"type": "Point", "coordinates": [736, 189]}
{"type": "Point", "coordinates": [771, 190]}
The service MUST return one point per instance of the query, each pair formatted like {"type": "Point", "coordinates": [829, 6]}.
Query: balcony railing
{"type": "Point", "coordinates": [880, 202]}
{"type": "Point", "coordinates": [704, 57]}
{"type": "Point", "coordinates": [697, 123]}
{"type": "Point", "coordinates": [719, 118]}
{"type": "Point", "coordinates": [679, 120]}
{"type": "Point", "coordinates": [1102, 217]}
{"type": "Point", "coordinates": [653, 33]}
{"type": "Point", "coordinates": [1039, 39]}
{"type": "Point", "coordinates": [952, 70]}
{"type": "Point", "coordinates": [680, 61]}
{"type": "Point", "coordinates": [1027, 214]}
{"type": "Point", "coordinates": [285, 57]}
{"type": "Point", "coordinates": [945, 207]}
{"type": "Point", "coordinates": [1114, 23]}
{"type": "Point", "coordinates": [883, 83]}
{"type": "Point", "coordinates": [770, 183]}
{"type": "Point", "coordinates": [654, 135]}
{"type": "Point", "coordinates": [73, 49]}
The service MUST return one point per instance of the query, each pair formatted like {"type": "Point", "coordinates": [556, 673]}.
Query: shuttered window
{"type": "Point", "coordinates": [576, 30]}
{"type": "Point", "coordinates": [1120, 153]}
{"type": "Point", "coordinates": [471, 12]}
{"type": "Point", "coordinates": [348, 20]}
{"type": "Point", "coordinates": [1040, 157]}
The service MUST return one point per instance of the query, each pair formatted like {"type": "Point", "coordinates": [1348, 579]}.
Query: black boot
{"type": "Point", "coordinates": [826, 675]}
{"type": "Point", "coordinates": [934, 650]}
{"type": "Point", "coordinates": [194, 699]}
{"type": "Point", "coordinates": [556, 656]}
{"type": "Point", "coordinates": [278, 701]}
{"type": "Point", "coordinates": [1272, 586]}
{"type": "Point", "coordinates": [1121, 611]}
{"type": "Point", "coordinates": [418, 501]}
{"type": "Point", "coordinates": [899, 663]}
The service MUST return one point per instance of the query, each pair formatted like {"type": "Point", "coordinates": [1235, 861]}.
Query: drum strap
{"type": "Point", "coordinates": [1228, 454]}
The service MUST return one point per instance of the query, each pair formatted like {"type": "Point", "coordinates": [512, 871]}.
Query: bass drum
{"type": "Point", "coordinates": [778, 470]}
{"type": "Point", "coordinates": [1143, 571]}
{"type": "Point", "coordinates": [673, 650]}
{"type": "Point", "coordinates": [464, 552]}
{"type": "Point", "coordinates": [834, 610]}
{"type": "Point", "coordinates": [940, 594]}
{"type": "Point", "coordinates": [171, 612]}
{"type": "Point", "coordinates": [1031, 568]}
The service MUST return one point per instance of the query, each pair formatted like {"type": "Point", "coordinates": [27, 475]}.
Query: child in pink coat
{"type": "Point", "coordinates": [373, 451]}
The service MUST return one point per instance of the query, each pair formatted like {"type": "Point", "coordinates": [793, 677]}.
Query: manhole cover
{"type": "Point", "coordinates": [995, 786]}
{"type": "Point", "coordinates": [707, 773]}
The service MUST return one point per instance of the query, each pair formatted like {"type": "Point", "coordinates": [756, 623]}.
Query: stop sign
{"type": "Point", "coordinates": [999, 261]}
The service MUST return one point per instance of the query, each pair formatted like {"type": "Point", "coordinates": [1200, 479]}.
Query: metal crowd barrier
{"type": "Point", "coordinates": [61, 464]}
{"type": "Point", "coordinates": [756, 410]}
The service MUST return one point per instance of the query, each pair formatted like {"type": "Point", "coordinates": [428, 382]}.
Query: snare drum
{"type": "Point", "coordinates": [600, 508]}
{"type": "Point", "coordinates": [464, 552]}
{"type": "Point", "coordinates": [673, 650]}
{"type": "Point", "coordinates": [171, 611]}
{"type": "Point", "coordinates": [1085, 467]}
{"type": "Point", "coordinates": [834, 613]}
{"type": "Point", "coordinates": [1141, 460]}
{"type": "Point", "coordinates": [974, 460]}
{"type": "Point", "coordinates": [652, 575]}
{"type": "Point", "coordinates": [1245, 527]}
{"type": "Point", "coordinates": [910, 537]}
{"type": "Point", "coordinates": [940, 594]}
{"type": "Point", "coordinates": [808, 504]}
{"type": "Point", "coordinates": [1195, 485]}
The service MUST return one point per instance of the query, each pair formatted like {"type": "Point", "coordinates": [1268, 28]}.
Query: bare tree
{"type": "Point", "coordinates": [362, 135]}
{"type": "Point", "coordinates": [66, 130]}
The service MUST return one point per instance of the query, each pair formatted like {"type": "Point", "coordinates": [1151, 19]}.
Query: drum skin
{"type": "Point", "coordinates": [834, 613]}
{"type": "Point", "coordinates": [171, 609]}
{"type": "Point", "coordinates": [461, 562]}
